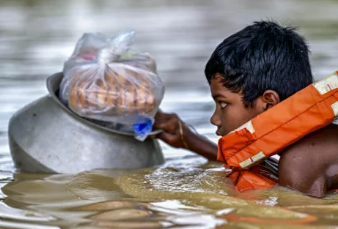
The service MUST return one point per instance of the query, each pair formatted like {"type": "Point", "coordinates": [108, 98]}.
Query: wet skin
{"type": "Point", "coordinates": [310, 165]}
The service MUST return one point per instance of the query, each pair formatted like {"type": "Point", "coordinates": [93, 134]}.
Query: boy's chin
{"type": "Point", "coordinates": [221, 133]}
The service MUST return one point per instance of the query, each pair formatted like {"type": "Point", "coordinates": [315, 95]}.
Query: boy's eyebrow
{"type": "Point", "coordinates": [217, 96]}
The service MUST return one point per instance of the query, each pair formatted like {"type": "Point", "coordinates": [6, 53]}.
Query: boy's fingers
{"type": "Point", "coordinates": [168, 138]}
{"type": "Point", "coordinates": [168, 126]}
{"type": "Point", "coordinates": [161, 116]}
{"type": "Point", "coordinates": [162, 126]}
{"type": "Point", "coordinates": [154, 133]}
{"type": "Point", "coordinates": [165, 127]}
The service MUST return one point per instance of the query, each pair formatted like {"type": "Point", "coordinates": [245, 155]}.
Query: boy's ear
{"type": "Point", "coordinates": [267, 100]}
{"type": "Point", "coordinates": [270, 98]}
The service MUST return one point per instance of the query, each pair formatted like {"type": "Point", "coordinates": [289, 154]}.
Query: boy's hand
{"type": "Point", "coordinates": [179, 135]}
{"type": "Point", "coordinates": [175, 132]}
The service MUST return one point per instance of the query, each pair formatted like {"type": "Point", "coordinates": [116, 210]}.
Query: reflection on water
{"type": "Point", "coordinates": [174, 196]}
{"type": "Point", "coordinates": [36, 38]}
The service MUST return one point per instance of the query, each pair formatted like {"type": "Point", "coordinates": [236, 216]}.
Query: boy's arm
{"type": "Point", "coordinates": [177, 134]}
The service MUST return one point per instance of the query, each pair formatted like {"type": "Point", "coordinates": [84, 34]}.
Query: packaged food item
{"type": "Point", "coordinates": [106, 81]}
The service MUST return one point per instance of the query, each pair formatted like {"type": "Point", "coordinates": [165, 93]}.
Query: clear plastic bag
{"type": "Point", "coordinates": [106, 81]}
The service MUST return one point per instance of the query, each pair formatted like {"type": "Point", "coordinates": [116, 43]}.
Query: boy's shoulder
{"type": "Point", "coordinates": [311, 164]}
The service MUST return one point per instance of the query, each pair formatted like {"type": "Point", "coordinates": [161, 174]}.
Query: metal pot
{"type": "Point", "coordinates": [45, 136]}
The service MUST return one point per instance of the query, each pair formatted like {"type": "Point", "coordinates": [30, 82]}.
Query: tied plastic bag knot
{"type": "Point", "coordinates": [108, 82]}
{"type": "Point", "coordinates": [116, 47]}
{"type": "Point", "coordinates": [121, 43]}
{"type": "Point", "coordinates": [105, 56]}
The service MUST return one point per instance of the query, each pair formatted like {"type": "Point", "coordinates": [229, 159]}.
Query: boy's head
{"type": "Point", "coordinates": [253, 70]}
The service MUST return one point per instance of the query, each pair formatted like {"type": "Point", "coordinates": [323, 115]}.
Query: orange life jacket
{"type": "Point", "coordinates": [269, 133]}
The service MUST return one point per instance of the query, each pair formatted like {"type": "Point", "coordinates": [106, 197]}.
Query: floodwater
{"type": "Point", "coordinates": [36, 38]}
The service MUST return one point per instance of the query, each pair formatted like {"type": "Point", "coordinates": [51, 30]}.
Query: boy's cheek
{"type": "Point", "coordinates": [227, 124]}
{"type": "Point", "coordinates": [233, 122]}
{"type": "Point", "coordinates": [227, 127]}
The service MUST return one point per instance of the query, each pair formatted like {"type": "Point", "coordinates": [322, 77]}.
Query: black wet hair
{"type": "Point", "coordinates": [263, 56]}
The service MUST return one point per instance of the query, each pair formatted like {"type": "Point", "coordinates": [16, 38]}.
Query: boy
{"type": "Point", "coordinates": [249, 73]}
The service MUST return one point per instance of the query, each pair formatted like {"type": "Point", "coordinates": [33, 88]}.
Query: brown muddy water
{"type": "Point", "coordinates": [186, 192]}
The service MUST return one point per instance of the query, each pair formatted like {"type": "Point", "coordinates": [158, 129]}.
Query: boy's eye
{"type": "Point", "coordinates": [223, 104]}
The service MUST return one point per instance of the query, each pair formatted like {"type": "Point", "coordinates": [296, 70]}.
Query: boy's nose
{"type": "Point", "coordinates": [215, 120]}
